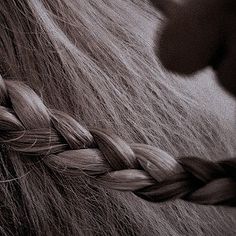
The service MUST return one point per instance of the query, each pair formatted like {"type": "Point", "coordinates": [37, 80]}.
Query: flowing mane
{"type": "Point", "coordinates": [68, 67]}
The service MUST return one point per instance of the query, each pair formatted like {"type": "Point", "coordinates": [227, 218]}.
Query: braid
{"type": "Point", "coordinates": [27, 126]}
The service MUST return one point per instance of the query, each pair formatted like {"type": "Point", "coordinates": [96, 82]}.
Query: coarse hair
{"type": "Point", "coordinates": [94, 60]}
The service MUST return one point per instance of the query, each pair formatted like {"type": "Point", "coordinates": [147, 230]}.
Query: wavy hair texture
{"type": "Point", "coordinates": [94, 61]}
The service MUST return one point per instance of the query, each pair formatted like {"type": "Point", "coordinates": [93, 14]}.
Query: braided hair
{"type": "Point", "coordinates": [27, 126]}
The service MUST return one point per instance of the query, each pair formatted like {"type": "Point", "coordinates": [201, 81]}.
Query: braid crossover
{"type": "Point", "coordinates": [27, 126]}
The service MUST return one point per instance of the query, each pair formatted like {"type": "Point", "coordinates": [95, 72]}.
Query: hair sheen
{"type": "Point", "coordinates": [94, 60]}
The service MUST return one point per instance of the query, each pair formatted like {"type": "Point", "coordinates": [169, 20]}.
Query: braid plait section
{"type": "Point", "coordinates": [28, 127]}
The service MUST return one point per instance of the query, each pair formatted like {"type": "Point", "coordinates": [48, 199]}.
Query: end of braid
{"type": "Point", "coordinates": [31, 128]}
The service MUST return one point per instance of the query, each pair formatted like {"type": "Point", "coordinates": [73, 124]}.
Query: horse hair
{"type": "Point", "coordinates": [86, 109]}
{"type": "Point", "coordinates": [146, 170]}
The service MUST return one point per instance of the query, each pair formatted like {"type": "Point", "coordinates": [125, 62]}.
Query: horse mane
{"type": "Point", "coordinates": [69, 67]}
